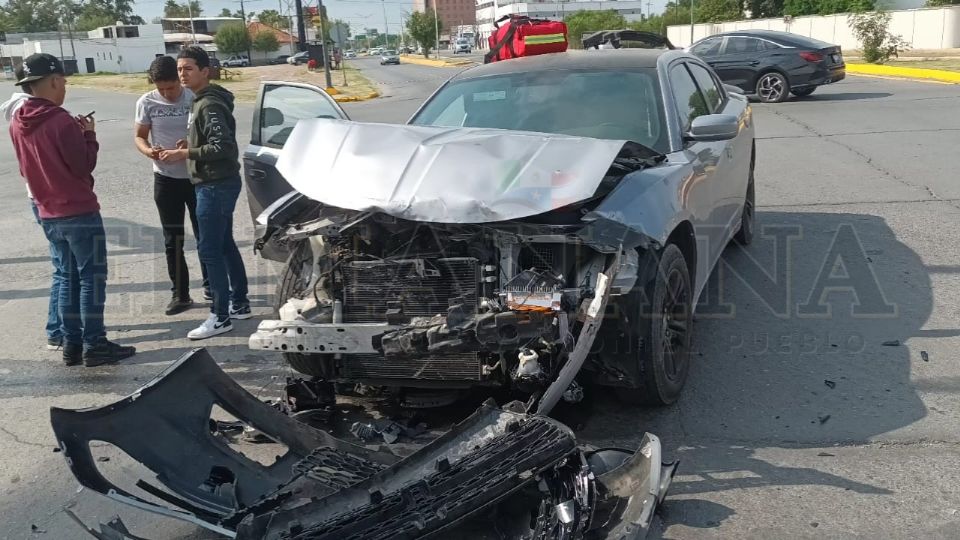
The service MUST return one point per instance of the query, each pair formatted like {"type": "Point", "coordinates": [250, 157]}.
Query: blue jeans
{"type": "Point", "coordinates": [78, 248]}
{"type": "Point", "coordinates": [218, 251]}
{"type": "Point", "coordinates": [54, 323]}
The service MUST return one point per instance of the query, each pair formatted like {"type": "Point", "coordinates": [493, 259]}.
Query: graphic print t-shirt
{"type": "Point", "coordinates": [168, 123]}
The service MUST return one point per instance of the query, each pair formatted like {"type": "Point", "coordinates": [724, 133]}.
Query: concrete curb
{"type": "Point", "coordinates": [939, 75]}
{"type": "Point", "coordinates": [343, 99]}
{"type": "Point", "coordinates": [410, 59]}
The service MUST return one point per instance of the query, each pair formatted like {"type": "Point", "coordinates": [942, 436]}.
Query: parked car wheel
{"type": "Point", "coordinates": [804, 92]}
{"type": "Point", "coordinates": [295, 282]}
{"type": "Point", "coordinates": [664, 327]}
{"type": "Point", "coordinates": [772, 87]}
{"type": "Point", "coordinates": [745, 235]}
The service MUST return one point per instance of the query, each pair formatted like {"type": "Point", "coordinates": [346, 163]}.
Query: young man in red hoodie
{"type": "Point", "coordinates": [57, 154]}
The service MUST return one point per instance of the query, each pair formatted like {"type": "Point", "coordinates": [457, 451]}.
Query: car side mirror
{"type": "Point", "coordinates": [731, 89]}
{"type": "Point", "coordinates": [714, 127]}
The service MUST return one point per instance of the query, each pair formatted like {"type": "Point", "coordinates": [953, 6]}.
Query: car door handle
{"type": "Point", "coordinates": [257, 174]}
{"type": "Point", "coordinates": [754, 62]}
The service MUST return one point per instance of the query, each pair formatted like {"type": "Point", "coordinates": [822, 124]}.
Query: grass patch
{"type": "Point", "coordinates": [944, 64]}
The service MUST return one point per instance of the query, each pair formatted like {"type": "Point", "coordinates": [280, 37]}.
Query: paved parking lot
{"type": "Point", "coordinates": [797, 421]}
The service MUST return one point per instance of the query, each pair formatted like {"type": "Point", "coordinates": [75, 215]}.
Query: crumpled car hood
{"type": "Point", "coordinates": [442, 175]}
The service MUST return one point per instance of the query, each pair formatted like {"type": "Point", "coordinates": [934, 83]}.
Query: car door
{"type": "Point", "coordinates": [733, 166]}
{"type": "Point", "coordinates": [280, 105]}
{"type": "Point", "coordinates": [738, 61]}
{"type": "Point", "coordinates": [701, 191]}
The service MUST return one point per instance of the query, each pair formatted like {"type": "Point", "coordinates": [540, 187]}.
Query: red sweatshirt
{"type": "Point", "coordinates": [56, 157]}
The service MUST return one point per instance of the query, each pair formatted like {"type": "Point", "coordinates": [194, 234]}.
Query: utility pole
{"type": "Point", "coordinates": [243, 15]}
{"type": "Point", "coordinates": [386, 27]}
{"type": "Point", "coordinates": [193, 31]}
{"type": "Point", "coordinates": [436, 26]}
{"type": "Point", "coordinates": [301, 30]}
{"type": "Point", "coordinates": [648, 8]}
{"type": "Point", "coordinates": [323, 42]}
{"type": "Point", "coordinates": [691, 22]}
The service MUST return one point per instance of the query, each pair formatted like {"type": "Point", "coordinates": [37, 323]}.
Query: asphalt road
{"type": "Point", "coordinates": [797, 422]}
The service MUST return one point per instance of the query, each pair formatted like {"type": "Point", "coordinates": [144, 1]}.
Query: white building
{"type": "Point", "coordinates": [118, 49]}
{"type": "Point", "coordinates": [489, 11]}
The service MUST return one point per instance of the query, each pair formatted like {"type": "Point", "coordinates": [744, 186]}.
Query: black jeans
{"type": "Point", "coordinates": [173, 196]}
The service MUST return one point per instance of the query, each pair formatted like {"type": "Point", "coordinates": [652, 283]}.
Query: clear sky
{"type": "Point", "coordinates": [359, 13]}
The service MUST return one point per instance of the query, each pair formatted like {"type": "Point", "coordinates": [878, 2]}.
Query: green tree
{"type": "Point", "coordinates": [174, 9]}
{"type": "Point", "coordinates": [422, 27]}
{"type": "Point", "coordinates": [272, 17]}
{"type": "Point", "coordinates": [225, 12]}
{"type": "Point", "coordinates": [712, 11]}
{"type": "Point", "coordinates": [584, 22]}
{"type": "Point", "coordinates": [232, 38]}
{"type": "Point", "coordinates": [871, 30]}
{"type": "Point", "coordinates": [765, 9]}
{"type": "Point", "coordinates": [939, 3]}
{"type": "Point", "coordinates": [265, 41]}
{"type": "Point", "coordinates": [30, 15]}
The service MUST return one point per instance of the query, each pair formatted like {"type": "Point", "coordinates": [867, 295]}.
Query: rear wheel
{"type": "Point", "coordinates": [295, 282]}
{"type": "Point", "coordinates": [772, 87]}
{"type": "Point", "coordinates": [664, 327]}
{"type": "Point", "coordinates": [804, 92]}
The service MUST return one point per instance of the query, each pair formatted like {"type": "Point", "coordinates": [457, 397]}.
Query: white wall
{"type": "Point", "coordinates": [131, 55]}
{"type": "Point", "coordinates": [929, 28]}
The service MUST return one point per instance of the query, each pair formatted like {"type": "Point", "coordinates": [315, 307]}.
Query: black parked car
{"type": "Point", "coordinates": [772, 64]}
{"type": "Point", "coordinates": [282, 59]}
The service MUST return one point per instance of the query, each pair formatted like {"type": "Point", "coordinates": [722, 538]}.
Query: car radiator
{"type": "Point", "coordinates": [423, 288]}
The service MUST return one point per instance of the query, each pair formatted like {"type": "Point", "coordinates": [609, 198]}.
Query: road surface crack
{"type": "Point", "coordinates": [866, 158]}
{"type": "Point", "coordinates": [17, 438]}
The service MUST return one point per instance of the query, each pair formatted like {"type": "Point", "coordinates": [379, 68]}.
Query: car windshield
{"type": "Point", "coordinates": [389, 53]}
{"type": "Point", "coordinates": [599, 104]}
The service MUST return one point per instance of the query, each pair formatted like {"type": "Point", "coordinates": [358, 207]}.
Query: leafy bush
{"type": "Point", "coordinates": [877, 42]}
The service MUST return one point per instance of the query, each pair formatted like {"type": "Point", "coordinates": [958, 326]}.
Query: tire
{"type": "Point", "coordinates": [293, 282]}
{"type": "Point", "coordinates": [748, 219]}
{"type": "Point", "coordinates": [667, 318]}
{"type": "Point", "coordinates": [772, 87]}
{"type": "Point", "coordinates": [804, 92]}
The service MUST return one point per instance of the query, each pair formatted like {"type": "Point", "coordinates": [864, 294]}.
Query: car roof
{"type": "Point", "coordinates": [603, 59]}
{"type": "Point", "coordinates": [785, 38]}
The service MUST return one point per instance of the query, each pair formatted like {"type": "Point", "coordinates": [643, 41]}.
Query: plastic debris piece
{"type": "Point", "coordinates": [924, 356]}
{"type": "Point", "coordinates": [823, 419]}
{"type": "Point", "coordinates": [829, 383]}
{"type": "Point", "coordinates": [891, 343]}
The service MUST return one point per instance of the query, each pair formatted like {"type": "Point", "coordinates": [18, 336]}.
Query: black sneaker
{"type": "Point", "coordinates": [207, 293]}
{"type": "Point", "coordinates": [178, 305]}
{"type": "Point", "coordinates": [54, 344]}
{"type": "Point", "coordinates": [72, 353]}
{"type": "Point", "coordinates": [241, 312]}
{"type": "Point", "coordinates": [107, 352]}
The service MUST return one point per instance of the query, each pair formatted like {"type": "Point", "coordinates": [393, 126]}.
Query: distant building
{"type": "Point", "coordinates": [288, 42]}
{"type": "Point", "coordinates": [452, 14]}
{"type": "Point", "coordinates": [118, 48]}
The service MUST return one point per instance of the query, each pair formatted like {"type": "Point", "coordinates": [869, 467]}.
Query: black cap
{"type": "Point", "coordinates": [38, 66]}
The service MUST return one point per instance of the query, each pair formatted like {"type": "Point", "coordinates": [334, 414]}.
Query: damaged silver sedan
{"type": "Point", "coordinates": [553, 216]}
{"type": "Point", "coordinates": [541, 225]}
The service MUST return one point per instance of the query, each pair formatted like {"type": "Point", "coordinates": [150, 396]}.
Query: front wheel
{"type": "Point", "coordinates": [664, 328]}
{"type": "Point", "coordinates": [748, 218]}
{"type": "Point", "coordinates": [772, 87]}
{"type": "Point", "coordinates": [804, 92]}
{"type": "Point", "coordinates": [295, 282]}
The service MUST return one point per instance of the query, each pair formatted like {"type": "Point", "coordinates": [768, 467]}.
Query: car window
{"type": "Point", "coordinates": [556, 102]}
{"type": "Point", "coordinates": [742, 45]}
{"type": "Point", "coordinates": [708, 47]}
{"type": "Point", "coordinates": [689, 100]}
{"type": "Point", "coordinates": [708, 86]}
{"type": "Point", "coordinates": [284, 106]}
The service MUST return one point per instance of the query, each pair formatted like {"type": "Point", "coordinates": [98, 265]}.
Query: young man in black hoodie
{"type": "Point", "coordinates": [212, 157]}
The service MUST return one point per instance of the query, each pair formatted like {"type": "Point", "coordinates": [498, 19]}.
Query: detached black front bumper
{"type": "Point", "coordinates": [324, 487]}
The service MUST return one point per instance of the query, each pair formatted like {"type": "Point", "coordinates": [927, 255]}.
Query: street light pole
{"type": "Point", "coordinates": [193, 31]}
{"type": "Point", "coordinates": [691, 22]}
{"type": "Point", "coordinates": [436, 26]}
{"type": "Point", "coordinates": [323, 46]}
{"type": "Point", "coordinates": [386, 27]}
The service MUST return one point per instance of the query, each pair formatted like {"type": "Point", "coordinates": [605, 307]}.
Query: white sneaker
{"type": "Point", "coordinates": [240, 312]}
{"type": "Point", "coordinates": [210, 327]}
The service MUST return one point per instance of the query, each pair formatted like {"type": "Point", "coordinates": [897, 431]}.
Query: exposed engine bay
{"type": "Point", "coordinates": [467, 304]}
